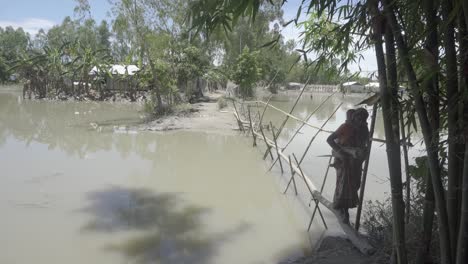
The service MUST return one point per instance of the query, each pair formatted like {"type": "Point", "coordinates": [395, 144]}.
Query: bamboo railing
{"type": "Point", "coordinates": [316, 194]}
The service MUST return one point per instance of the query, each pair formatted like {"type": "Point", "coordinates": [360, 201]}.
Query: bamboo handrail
{"type": "Point", "coordinates": [360, 242]}
{"type": "Point", "coordinates": [304, 121]}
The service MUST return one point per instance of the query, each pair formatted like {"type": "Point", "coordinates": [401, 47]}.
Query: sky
{"type": "Point", "coordinates": [33, 15]}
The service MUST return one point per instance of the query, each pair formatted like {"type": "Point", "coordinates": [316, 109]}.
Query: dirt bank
{"type": "Point", "coordinates": [335, 250]}
{"type": "Point", "coordinates": [203, 116]}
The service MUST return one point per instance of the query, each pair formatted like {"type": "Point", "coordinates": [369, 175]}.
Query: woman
{"type": "Point", "coordinates": [349, 144]}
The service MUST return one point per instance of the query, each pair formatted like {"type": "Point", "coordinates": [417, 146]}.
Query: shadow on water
{"type": "Point", "coordinates": [171, 231]}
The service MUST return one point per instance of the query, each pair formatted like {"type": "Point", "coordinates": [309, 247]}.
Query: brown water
{"type": "Point", "coordinates": [71, 193]}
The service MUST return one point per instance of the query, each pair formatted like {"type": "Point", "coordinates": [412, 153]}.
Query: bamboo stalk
{"type": "Point", "coordinates": [311, 193]}
{"type": "Point", "coordinates": [292, 175]}
{"type": "Point", "coordinates": [312, 140]}
{"type": "Point", "coordinates": [239, 123]}
{"type": "Point", "coordinates": [307, 118]}
{"type": "Point", "coordinates": [252, 128]}
{"type": "Point", "coordinates": [292, 108]}
{"type": "Point", "coordinates": [406, 161]}
{"type": "Point", "coordinates": [306, 122]}
{"type": "Point", "coordinates": [431, 146]}
{"type": "Point", "coordinates": [365, 169]}
{"type": "Point", "coordinates": [268, 146]}
{"type": "Point", "coordinates": [360, 242]}
{"type": "Point", "coordinates": [276, 146]}
{"type": "Point", "coordinates": [321, 190]}
{"type": "Point", "coordinates": [264, 109]}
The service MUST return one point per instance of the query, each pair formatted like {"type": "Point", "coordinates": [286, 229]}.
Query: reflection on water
{"type": "Point", "coordinates": [171, 234]}
{"type": "Point", "coordinates": [72, 194]}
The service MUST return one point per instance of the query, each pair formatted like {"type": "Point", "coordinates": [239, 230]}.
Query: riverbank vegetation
{"type": "Point", "coordinates": [147, 51]}
{"type": "Point", "coordinates": [423, 46]}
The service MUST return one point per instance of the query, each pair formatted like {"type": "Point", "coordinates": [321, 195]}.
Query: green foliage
{"type": "Point", "coordinates": [377, 223]}
{"type": "Point", "coordinates": [13, 43]}
{"type": "Point", "coordinates": [246, 72]}
{"type": "Point", "coordinates": [222, 102]}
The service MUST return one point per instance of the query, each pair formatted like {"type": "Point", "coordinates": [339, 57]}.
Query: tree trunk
{"type": "Point", "coordinates": [428, 222]}
{"type": "Point", "coordinates": [432, 87]}
{"type": "Point", "coordinates": [462, 242]}
{"type": "Point", "coordinates": [452, 107]}
{"type": "Point", "coordinates": [159, 106]}
{"type": "Point", "coordinates": [462, 250]}
{"type": "Point", "coordinates": [391, 134]}
{"type": "Point", "coordinates": [429, 139]}
{"type": "Point", "coordinates": [394, 149]}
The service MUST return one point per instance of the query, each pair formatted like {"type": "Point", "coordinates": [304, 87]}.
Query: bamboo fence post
{"type": "Point", "coordinates": [321, 190]}
{"type": "Point", "coordinates": [239, 122]}
{"type": "Point", "coordinates": [268, 146]}
{"type": "Point", "coordinates": [276, 146]}
{"type": "Point", "coordinates": [309, 124]}
{"type": "Point", "coordinates": [311, 192]}
{"type": "Point", "coordinates": [292, 174]}
{"type": "Point", "coordinates": [365, 169]}
{"type": "Point", "coordinates": [252, 128]}
{"type": "Point", "coordinates": [359, 241]}
{"type": "Point", "coordinates": [264, 138]}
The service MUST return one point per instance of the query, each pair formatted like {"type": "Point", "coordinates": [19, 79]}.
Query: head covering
{"type": "Point", "coordinates": [349, 114]}
{"type": "Point", "coordinates": [361, 113]}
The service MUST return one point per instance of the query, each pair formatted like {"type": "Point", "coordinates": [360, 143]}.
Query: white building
{"type": "Point", "coordinates": [353, 87]}
{"type": "Point", "coordinates": [117, 69]}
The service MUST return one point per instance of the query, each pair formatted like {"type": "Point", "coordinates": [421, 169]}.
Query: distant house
{"type": "Point", "coordinates": [372, 87]}
{"type": "Point", "coordinates": [375, 88]}
{"type": "Point", "coordinates": [294, 86]}
{"type": "Point", "coordinates": [353, 87]}
{"type": "Point", "coordinates": [121, 76]}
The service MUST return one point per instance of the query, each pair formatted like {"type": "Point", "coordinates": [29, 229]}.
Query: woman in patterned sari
{"type": "Point", "coordinates": [349, 144]}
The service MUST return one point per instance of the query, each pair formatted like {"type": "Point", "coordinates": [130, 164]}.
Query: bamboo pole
{"type": "Point", "coordinates": [268, 146]}
{"type": "Point", "coordinates": [321, 190]}
{"type": "Point", "coordinates": [292, 108]}
{"type": "Point", "coordinates": [307, 123]}
{"type": "Point", "coordinates": [405, 159]}
{"type": "Point", "coordinates": [276, 146]}
{"type": "Point", "coordinates": [264, 109]}
{"type": "Point", "coordinates": [292, 174]}
{"type": "Point", "coordinates": [252, 128]}
{"type": "Point", "coordinates": [365, 169]}
{"type": "Point", "coordinates": [311, 193]}
{"type": "Point", "coordinates": [307, 118]}
{"type": "Point", "coordinates": [313, 138]}
{"type": "Point", "coordinates": [360, 242]}
{"type": "Point", "coordinates": [239, 122]}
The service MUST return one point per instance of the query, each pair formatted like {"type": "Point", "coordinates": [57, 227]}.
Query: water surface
{"type": "Point", "coordinates": [71, 193]}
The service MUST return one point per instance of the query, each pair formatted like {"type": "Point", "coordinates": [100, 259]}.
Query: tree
{"type": "Point", "coordinates": [246, 72]}
{"type": "Point", "coordinates": [413, 41]}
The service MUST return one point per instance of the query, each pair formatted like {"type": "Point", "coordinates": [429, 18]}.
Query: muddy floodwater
{"type": "Point", "coordinates": [78, 187]}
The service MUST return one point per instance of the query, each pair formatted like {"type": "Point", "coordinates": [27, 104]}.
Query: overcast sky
{"type": "Point", "coordinates": [32, 15]}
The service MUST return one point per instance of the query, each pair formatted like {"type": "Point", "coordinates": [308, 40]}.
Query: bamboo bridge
{"type": "Point", "coordinates": [252, 125]}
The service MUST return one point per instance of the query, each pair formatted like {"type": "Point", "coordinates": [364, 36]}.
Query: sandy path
{"type": "Point", "coordinates": [204, 117]}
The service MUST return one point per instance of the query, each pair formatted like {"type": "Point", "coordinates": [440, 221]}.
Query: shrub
{"type": "Point", "coordinates": [222, 103]}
